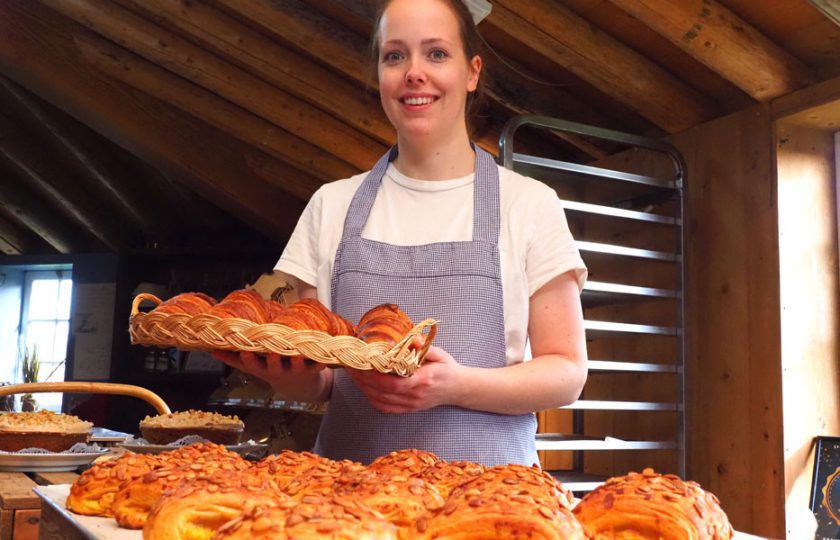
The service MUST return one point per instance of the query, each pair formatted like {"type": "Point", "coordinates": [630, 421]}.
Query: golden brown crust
{"type": "Point", "coordinates": [446, 476]}
{"type": "Point", "coordinates": [136, 498]}
{"type": "Point", "coordinates": [509, 501]}
{"type": "Point", "coordinates": [400, 499]}
{"type": "Point", "coordinates": [328, 518]}
{"type": "Point", "coordinates": [311, 314]}
{"type": "Point", "coordinates": [197, 510]}
{"type": "Point", "coordinates": [288, 465]}
{"type": "Point", "coordinates": [651, 505]}
{"type": "Point", "coordinates": [190, 303]}
{"type": "Point", "coordinates": [242, 304]}
{"type": "Point", "coordinates": [409, 461]}
{"type": "Point", "coordinates": [92, 494]}
{"type": "Point", "coordinates": [386, 323]}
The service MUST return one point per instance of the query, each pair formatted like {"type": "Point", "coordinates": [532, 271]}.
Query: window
{"type": "Point", "coordinates": [45, 325]}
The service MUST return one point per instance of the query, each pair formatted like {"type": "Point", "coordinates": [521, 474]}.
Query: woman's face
{"type": "Point", "coordinates": [424, 74]}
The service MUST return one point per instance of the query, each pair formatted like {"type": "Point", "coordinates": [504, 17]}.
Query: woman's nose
{"type": "Point", "coordinates": [414, 74]}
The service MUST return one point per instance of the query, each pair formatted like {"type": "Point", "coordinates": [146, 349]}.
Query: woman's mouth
{"type": "Point", "coordinates": [415, 101]}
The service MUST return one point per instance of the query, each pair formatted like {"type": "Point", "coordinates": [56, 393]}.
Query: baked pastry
{"type": "Point", "coordinates": [242, 304]}
{"type": "Point", "coordinates": [400, 499]}
{"type": "Point", "coordinates": [448, 475]}
{"type": "Point", "coordinates": [42, 429]}
{"type": "Point", "coordinates": [310, 314]}
{"type": "Point", "coordinates": [484, 510]}
{"type": "Point", "coordinates": [386, 323]}
{"type": "Point", "coordinates": [135, 499]}
{"type": "Point", "coordinates": [196, 510]}
{"type": "Point", "coordinates": [321, 479]}
{"type": "Point", "coordinates": [650, 505]}
{"type": "Point", "coordinates": [215, 427]}
{"type": "Point", "coordinates": [515, 479]}
{"type": "Point", "coordinates": [190, 303]}
{"type": "Point", "coordinates": [93, 492]}
{"type": "Point", "coordinates": [288, 464]}
{"type": "Point", "coordinates": [409, 461]}
{"type": "Point", "coordinates": [327, 518]}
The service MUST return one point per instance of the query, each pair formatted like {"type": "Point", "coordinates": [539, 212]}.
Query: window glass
{"type": "Point", "coordinates": [43, 299]}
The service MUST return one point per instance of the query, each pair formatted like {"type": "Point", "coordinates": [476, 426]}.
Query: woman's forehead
{"type": "Point", "coordinates": [430, 19]}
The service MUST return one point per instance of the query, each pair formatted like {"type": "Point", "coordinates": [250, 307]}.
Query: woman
{"type": "Point", "coordinates": [439, 229]}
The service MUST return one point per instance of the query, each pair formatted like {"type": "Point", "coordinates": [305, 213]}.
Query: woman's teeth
{"type": "Point", "coordinates": [418, 100]}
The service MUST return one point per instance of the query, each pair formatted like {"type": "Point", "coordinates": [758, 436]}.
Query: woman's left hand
{"type": "Point", "coordinates": [433, 384]}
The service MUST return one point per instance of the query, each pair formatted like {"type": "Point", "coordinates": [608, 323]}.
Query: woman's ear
{"type": "Point", "coordinates": [475, 73]}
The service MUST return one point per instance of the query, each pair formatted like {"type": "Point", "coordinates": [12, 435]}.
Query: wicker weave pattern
{"type": "Point", "coordinates": [209, 332]}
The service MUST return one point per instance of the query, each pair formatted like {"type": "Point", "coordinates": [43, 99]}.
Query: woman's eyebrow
{"type": "Point", "coordinates": [426, 41]}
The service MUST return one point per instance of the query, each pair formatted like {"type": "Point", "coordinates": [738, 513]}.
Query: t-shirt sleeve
{"type": "Point", "coordinates": [551, 250]}
{"type": "Point", "coordinates": [300, 257]}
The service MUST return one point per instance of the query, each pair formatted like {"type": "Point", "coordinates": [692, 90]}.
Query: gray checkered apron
{"type": "Point", "coordinates": [458, 283]}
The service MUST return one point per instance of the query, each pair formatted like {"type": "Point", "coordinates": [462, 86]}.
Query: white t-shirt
{"type": "Point", "coordinates": [534, 240]}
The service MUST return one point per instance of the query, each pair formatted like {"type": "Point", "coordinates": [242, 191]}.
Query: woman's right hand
{"type": "Point", "coordinates": [295, 378]}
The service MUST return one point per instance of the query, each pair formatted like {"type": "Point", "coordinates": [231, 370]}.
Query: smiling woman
{"type": "Point", "coordinates": [438, 229]}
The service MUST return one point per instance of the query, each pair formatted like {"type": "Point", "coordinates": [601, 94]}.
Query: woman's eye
{"type": "Point", "coordinates": [391, 57]}
{"type": "Point", "coordinates": [438, 55]}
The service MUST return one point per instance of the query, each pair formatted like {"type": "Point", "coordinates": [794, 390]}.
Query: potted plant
{"type": "Point", "coordinates": [30, 367]}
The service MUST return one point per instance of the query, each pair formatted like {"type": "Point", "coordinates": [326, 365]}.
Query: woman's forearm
{"type": "Point", "coordinates": [544, 382]}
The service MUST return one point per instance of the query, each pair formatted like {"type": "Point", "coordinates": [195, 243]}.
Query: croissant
{"type": "Point", "coordinates": [191, 303]}
{"type": "Point", "coordinates": [92, 494]}
{"type": "Point", "coordinates": [650, 505]}
{"type": "Point", "coordinates": [448, 475]}
{"type": "Point", "coordinates": [327, 518]}
{"type": "Point", "coordinates": [506, 501]}
{"type": "Point", "coordinates": [135, 499]}
{"type": "Point", "coordinates": [400, 499]}
{"type": "Point", "coordinates": [310, 314]}
{"type": "Point", "coordinates": [409, 461]}
{"type": "Point", "coordinates": [195, 511]}
{"type": "Point", "coordinates": [242, 304]}
{"type": "Point", "coordinates": [386, 322]}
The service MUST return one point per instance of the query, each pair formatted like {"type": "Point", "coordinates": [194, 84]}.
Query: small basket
{"type": "Point", "coordinates": [209, 332]}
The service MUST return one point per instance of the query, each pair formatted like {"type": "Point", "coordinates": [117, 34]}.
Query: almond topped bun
{"type": "Point", "coordinates": [215, 427]}
{"type": "Point", "coordinates": [43, 429]}
{"type": "Point", "coordinates": [93, 492]}
{"type": "Point", "coordinates": [314, 517]}
{"type": "Point", "coordinates": [407, 461]}
{"type": "Point", "coordinates": [651, 505]}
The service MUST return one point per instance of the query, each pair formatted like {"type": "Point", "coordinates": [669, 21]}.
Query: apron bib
{"type": "Point", "coordinates": [459, 284]}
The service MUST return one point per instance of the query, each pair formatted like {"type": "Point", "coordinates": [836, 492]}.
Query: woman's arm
{"type": "Point", "coordinates": [294, 378]}
{"type": "Point", "coordinates": [554, 377]}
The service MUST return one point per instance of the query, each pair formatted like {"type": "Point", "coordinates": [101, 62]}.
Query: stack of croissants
{"type": "Point", "coordinates": [385, 322]}
{"type": "Point", "coordinates": [204, 491]}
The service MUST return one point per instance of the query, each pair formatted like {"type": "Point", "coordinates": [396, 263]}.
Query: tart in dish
{"type": "Point", "coordinates": [215, 427]}
{"type": "Point", "coordinates": [43, 429]}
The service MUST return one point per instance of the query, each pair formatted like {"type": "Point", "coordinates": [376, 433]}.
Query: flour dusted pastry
{"type": "Point", "coordinates": [197, 510]}
{"type": "Point", "coordinates": [448, 475]}
{"type": "Point", "coordinates": [43, 429]}
{"type": "Point", "coordinates": [135, 499]}
{"type": "Point", "coordinates": [651, 505]}
{"type": "Point", "coordinates": [93, 492]}
{"type": "Point", "coordinates": [189, 303]}
{"type": "Point", "coordinates": [242, 304]}
{"type": "Point", "coordinates": [313, 518]}
{"type": "Point", "coordinates": [409, 461]}
{"type": "Point", "coordinates": [386, 323]}
{"type": "Point", "coordinates": [506, 501]}
{"type": "Point", "coordinates": [215, 427]}
{"type": "Point", "coordinates": [400, 499]}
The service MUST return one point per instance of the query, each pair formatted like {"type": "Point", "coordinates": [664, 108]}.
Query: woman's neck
{"type": "Point", "coordinates": [430, 160]}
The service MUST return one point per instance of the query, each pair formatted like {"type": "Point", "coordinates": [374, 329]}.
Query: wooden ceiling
{"type": "Point", "coordinates": [207, 124]}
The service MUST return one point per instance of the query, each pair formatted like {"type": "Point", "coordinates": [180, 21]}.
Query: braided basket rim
{"type": "Point", "coordinates": [210, 332]}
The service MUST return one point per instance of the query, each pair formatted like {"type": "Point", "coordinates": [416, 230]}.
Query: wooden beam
{"type": "Point", "coordinates": [240, 44]}
{"type": "Point", "coordinates": [38, 215]}
{"type": "Point", "coordinates": [237, 85]}
{"type": "Point", "coordinates": [594, 56]}
{"type": "Point", "coordinates": [16, 239]}
{"type": "Point", "coordinates": [726, 43]}
{"type": "Point", "coordinates": [62, 187]}
{"type": "Point", "coordinates": [104, 183]}
{"type": "Point", "coordinates": [207, 106]}
{"type": "Point", "coordinates": [37, 51]}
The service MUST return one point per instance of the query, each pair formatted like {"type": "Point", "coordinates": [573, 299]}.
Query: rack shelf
{"type": "Point", "coordinates": [615, 212]}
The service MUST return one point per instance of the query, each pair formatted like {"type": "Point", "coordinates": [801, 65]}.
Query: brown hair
{"type": "Point", "coordinates": [471, 39]}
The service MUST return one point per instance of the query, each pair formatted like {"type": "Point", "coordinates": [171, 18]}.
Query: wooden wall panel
{"type": "Point", "coordinates": [805, 152]}
{"type": "Point", "coordinates": [734, 401]}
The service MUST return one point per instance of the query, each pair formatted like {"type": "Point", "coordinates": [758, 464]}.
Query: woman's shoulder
{"type": "Point", "coordinates": [341, 189]}
{"type": "Point", "coordinates": [518, 188]}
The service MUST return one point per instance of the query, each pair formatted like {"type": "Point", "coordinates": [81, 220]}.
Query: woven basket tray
{"type": "Point", "coordinates": [209, 332]}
